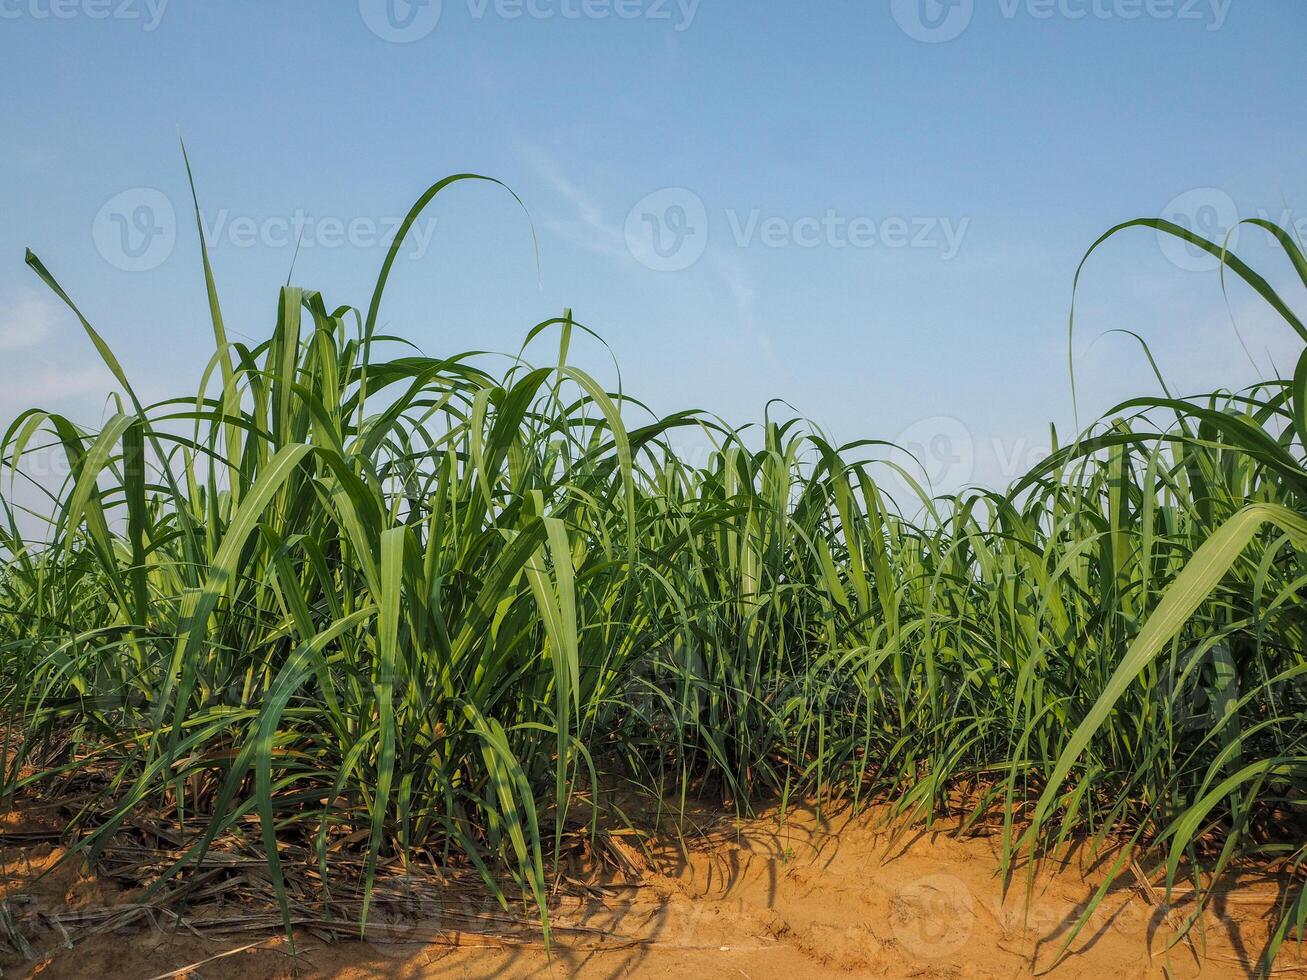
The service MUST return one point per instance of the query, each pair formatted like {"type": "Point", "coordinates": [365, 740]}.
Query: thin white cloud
{"type": "Point", "coordinates": [27, 157]}
{"type": "Point", "coordinates": [76, 391]}
{"type": "Point", "coordinates": [37, 368]}
{"type": "Point", "coordinates": [733, 272]}
{"type": "Point", "coordinates": [29, 321]}
{"type": "Point", "coordinates": [587, 227]}
{"type": "Point", "coordinates": [1199, 356]}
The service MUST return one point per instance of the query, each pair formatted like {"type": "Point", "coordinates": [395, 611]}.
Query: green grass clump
{"type": "Point", "coordinates": [407, 603]}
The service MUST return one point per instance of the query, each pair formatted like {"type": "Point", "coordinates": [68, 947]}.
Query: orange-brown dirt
{"type": "Point", "coordinates": [763, 898]}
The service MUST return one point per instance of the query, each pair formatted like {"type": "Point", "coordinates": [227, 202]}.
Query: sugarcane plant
{"type": "Point", "coordinates": [349, 596]}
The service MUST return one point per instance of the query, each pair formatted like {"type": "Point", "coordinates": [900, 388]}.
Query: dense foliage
{"type": "Point", "coordinates": [437, 609]}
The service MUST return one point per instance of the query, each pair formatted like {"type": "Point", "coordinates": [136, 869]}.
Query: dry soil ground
{"type": "Point", "coordinates": [764, 898]}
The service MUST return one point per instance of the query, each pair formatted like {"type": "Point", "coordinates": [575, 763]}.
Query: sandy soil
{"type": "Point", "coordinates": [762, 899]}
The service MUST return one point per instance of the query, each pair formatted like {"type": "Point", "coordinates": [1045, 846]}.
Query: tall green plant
{"type": "Point", "coordinates": [408, 606]}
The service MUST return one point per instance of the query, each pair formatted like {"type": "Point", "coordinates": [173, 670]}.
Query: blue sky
{"type": "Point", "coordinates": [872, 210]}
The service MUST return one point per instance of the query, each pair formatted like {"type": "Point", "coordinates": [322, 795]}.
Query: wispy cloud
{"type": "Point", "coordinates": [37, 370]}
{"type": "Point", "coordinates": [53, 386]}
{"type": "Point", "coordinates": [29, 321]}
{"type": "Point", "coordinates": [1247, 344]}
{"type": "Point", "coordinates": [26, 157]}
{"type": "Point", "coordinates": [586, 224]}
{"type": "Point", "coordinates": [732, 271]}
